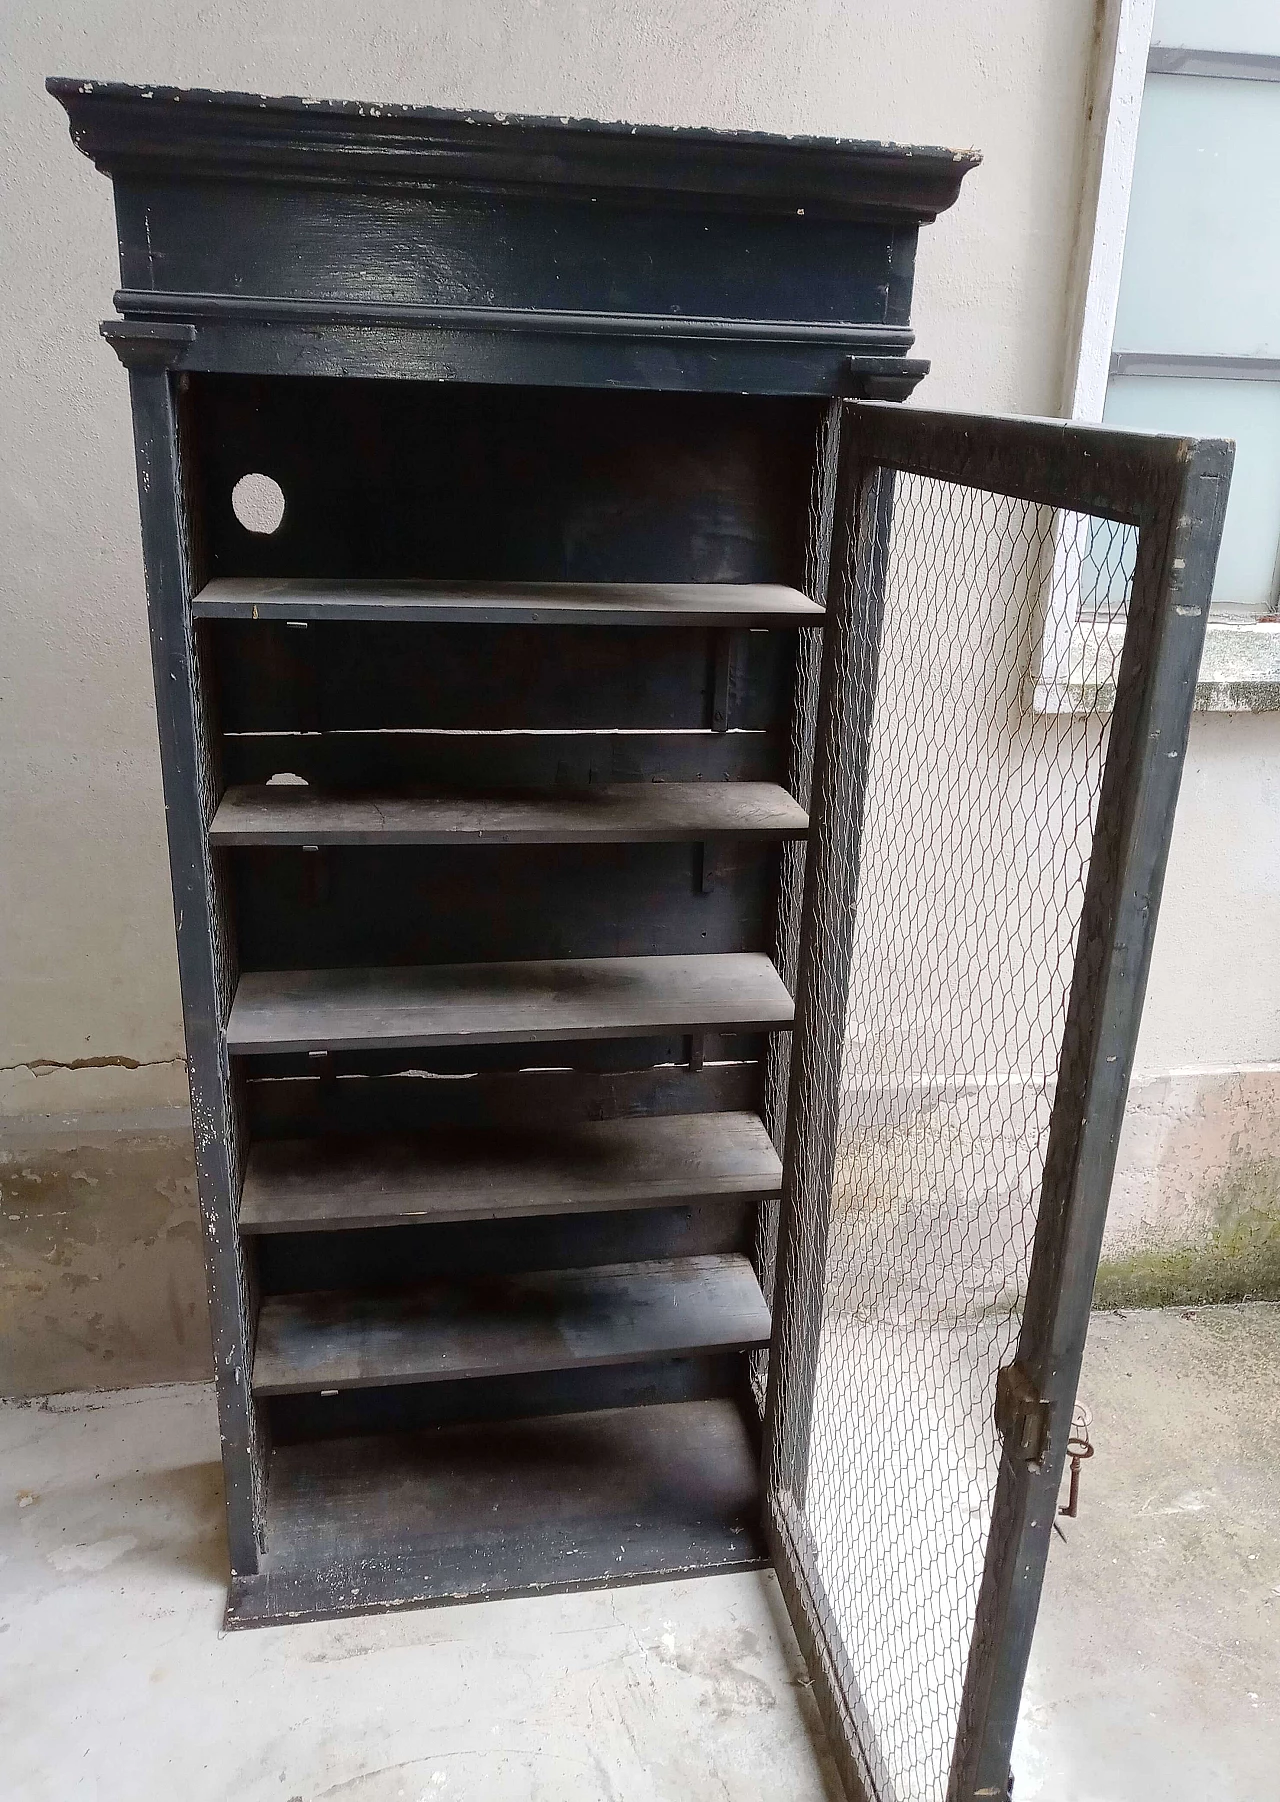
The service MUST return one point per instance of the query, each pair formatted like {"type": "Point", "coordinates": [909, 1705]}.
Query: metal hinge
{"type": "Point", "coordinates": [1022, 1414]}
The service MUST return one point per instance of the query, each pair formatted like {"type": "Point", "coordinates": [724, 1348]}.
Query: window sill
{"type": "Point", "coordinates": [1239, 672]}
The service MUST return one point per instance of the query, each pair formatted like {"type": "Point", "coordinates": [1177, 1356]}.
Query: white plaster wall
{"type": "Point", "coordinates": [1214, 995]}
{"type": "Point", "coordinates": [86, 956]}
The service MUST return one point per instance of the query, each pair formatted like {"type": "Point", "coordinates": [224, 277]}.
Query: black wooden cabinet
{"type": "Point", "coordinates": [616, 667]}
{"type": "Point", "coordinates": [480, 771]}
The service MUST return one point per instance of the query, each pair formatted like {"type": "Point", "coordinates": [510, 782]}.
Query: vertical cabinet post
{"type": "Point", "coordinates": [205, 955]}
{"type": "Point", "coordinates": [846, 708]}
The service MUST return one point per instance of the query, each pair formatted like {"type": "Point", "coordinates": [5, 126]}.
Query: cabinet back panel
{"type": "Point", "coordinates": [503, 760]}
{"type": "Point", "coordinates": [410, 904]}
{"type": "Point", "coordinates": [463, 482]}
{"type": "Point", "coordinates": [335, 677]}
{"type": "Point", "coordinates": [297, 1418]}
{"type": "Point", "coordinates": [385, 1257]}
{"type": "Point", "coordinates": [603, 1056]}
{"type": "Point", "coordinates": [304, 1105]}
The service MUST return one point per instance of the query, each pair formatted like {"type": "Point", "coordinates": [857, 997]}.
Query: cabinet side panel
{"type": "Point", "coordinates": [205, 958]}
{"type": "Point", "coordinates": [799, 780]}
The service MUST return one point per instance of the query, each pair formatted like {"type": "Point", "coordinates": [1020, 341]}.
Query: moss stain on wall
{"type": "Point", "coordinates": [1239, 1260]}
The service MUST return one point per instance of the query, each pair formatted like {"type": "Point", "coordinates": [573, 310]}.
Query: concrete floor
{"type": "Point", "coordinates": [1156, 1670]}
{"type": "Point", "coordinates": [1156, 1674]}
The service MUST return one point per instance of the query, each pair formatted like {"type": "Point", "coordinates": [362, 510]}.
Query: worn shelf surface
{"type": "Point", "coordinates": [727, 604]}
{"type": "Point", "coordinates": [506, 1003]}
{"type": "Point", "coordinates": [310, 1185]}
{"type": "Point", "coordinates": [517, 1507]}
{"type": "Point", "coordinates": [500, 1326]}
{"type": "Point", "coordinates": [613, 813]}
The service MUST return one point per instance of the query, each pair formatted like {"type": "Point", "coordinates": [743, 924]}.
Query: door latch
{"type": "Point", "coordinates": [1022, 1414]}
{"type": "Point", "coordinates": [1079, 1447]}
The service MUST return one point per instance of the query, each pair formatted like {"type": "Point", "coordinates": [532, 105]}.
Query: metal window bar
{"type": "Point", "coordinates": [980, 898]}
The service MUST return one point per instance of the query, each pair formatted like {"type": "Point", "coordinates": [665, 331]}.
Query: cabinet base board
{"type": "Point", "coordinates": [528, 1507]}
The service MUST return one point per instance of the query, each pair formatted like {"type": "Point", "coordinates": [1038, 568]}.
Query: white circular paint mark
{"type": "Point", "coordinates": [258, 503]}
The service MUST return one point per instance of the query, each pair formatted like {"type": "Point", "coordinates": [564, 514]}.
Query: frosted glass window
{"type": "Point", "coordinates": [1202, 255]}
{"type": "Point", "coordinates": [1249, 412]}
{"type": "Point", "coordinates": [1252, 25]}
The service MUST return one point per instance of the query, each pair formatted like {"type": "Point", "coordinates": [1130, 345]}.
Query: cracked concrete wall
{"type": "Point", "coordinates": [101, 1281]}
{"type": "Point", "coordinates": [1195, 1207]}
{"type": "Point", "coordinates": [89, 1013]}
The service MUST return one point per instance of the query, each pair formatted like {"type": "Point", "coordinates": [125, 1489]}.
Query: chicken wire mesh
{"type": "Point", "coordinates": [985, 713]}
{"type": "Point", "coordinates": [822, 492]}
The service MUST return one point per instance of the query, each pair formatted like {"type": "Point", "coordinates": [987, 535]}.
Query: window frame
{"type": "Point", "coordinates": [1240, 671]}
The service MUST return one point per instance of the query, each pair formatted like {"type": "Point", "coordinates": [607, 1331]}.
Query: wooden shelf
{"type": "Point", "coordinates": [506, 1003]}
{"type": "Point", "coordinates": [508, 1325]}
{"type": "Point", "coordinates": [323, 1185]}
{"type": "Point", "coordinates": [613, 813]}
{"type": "Point", "coordinates": [724, 604]}
{"type": "Point", "coordinates": [517, 1507]}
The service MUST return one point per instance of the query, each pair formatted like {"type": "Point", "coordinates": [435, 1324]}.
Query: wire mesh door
{"type": "Point", "coordinates": [1015, 614]}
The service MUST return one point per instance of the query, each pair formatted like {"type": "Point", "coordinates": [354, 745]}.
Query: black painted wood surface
{"type": "Point", "coordinates": [393, 1255]}
{"type": "Point", "coordinates": [382, 759]}
{"type": "Point", "coordinates": [614, 813]}
{"type": "Point", "coordinates": [326, 909]}
{"type": "Point", "coordinates": [512, 1508]}
{"type": "Point", "coordinates": [333, 1184]}
{"type": "Point", "coordinates": [456, 1004]}
{"type": "Point", "coordinates": [716, 604]}
{"type": "Point", "coordinates": [568, 1091]}
{"type": "Point", "coordinates": [407, 1408]}
{"type": "Point", "coordinates": [458, 482]}
{"type": "Point", "coordinates": [484, 783]}
{"type": "Point", "coordinates": [507, 1325]}
{"type": "Point", "coordinates": [346, 677]}
{"type": "Point", "coordinates": [331, 238]}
